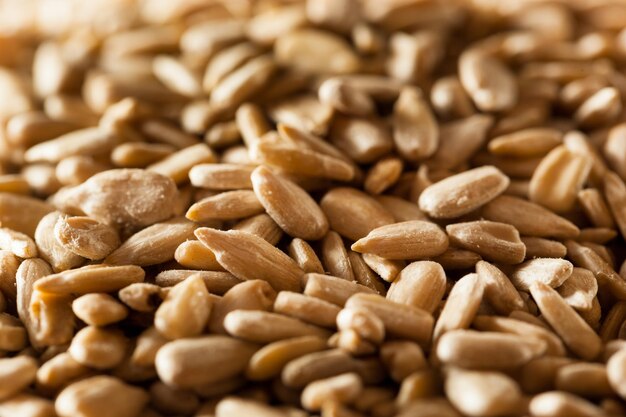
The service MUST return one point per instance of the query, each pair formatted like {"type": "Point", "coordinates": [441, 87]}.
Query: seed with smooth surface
{"type": "Point", "coordinates": [269, 361]}
{"type": "Point", "coordinates": [16, 374]}
{"type": "Point", "coordinates": [497, 242]}
{"type": "Point", "coordinates": [228, 205]}
{"type": "Point", "coordinates": [550, 271]}
{"type": "Point", "coordinates": [558, 403]}
{"type": "Point", "coordinates": [265, 327]}
{"type": "Point", "coordinates": [463, 193]}
{"type": "Point", "coordinates": [352, 213]}
{"type": "Point", "coordinates": [483, 393]}
{"type": "Point", "coordinates": [289, 205]}
{"type": "Point", "coordinates": [574, 331]}
{"type": "Point", "coordinates": [98, 309]}
{"type": "Point", "coordinates": [415, 130]}
{"type": "Point", "coordinates": [98, 348]}
{"type": "Point", "coordinates": [343, 388]}
{"type": "Point", "coordinates": [185, 311]}
{"type": "Point", "coordinates": [91, 397]}
{"type": "Point", "coordinates": [406, 240]}
{"type": "Point", "coordinates": [461, 305]}
{"type": "Point", "coordinates": [420, 284]}
{"type": "Point", "coordinates": [188, 363]}
{"type": "Point", "coordinates": [487, 350]}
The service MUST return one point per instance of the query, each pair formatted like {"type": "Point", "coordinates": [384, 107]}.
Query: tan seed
{"type": "Point", "coordinates": [463, 193]}
{"type": "Point", "coordinates": [497, 242]}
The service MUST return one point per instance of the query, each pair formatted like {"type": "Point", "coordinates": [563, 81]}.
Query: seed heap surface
{"type": "Point", "coordinates": [329, 208]}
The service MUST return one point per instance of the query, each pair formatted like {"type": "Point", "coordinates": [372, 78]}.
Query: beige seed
{"type": "Point", "coordinates": [557, 403]}
{"type": "Point", "coordinates": [498, 289]}
{"type": "Point", "coordinates": [529, 218]}
{"type": "Point", "coordinates": [12, 206]}
{"type": "Point", "coordinates": [154, 244]}
{"type": "Point", "coordinates": [317, 365]}
{"type": "Point", "coordinates": [16, 374]}
{"type": "Point", "coordinates": [471, 349]}
{"type": "Point", "coordinates": [89, 141]}
{"type": "Point", "coordinates": [402, 358]}
{"type": "Point", "coordinates": [343, 388]}
{"type": "Point", "coordinates": [344, 98]}
{"type": "Point", "coordinates": [265, 327]}
{"type": "Point", "coordinates": [384, 174]}
{"type": "Point", "coordinates": [217, 282]}
{"type": "Point", "coordinates": [526, 143]}
{"type": "Point", "coordinates": [139, 154]}
{"type": "Point", "coordinates": [193, 254]}
{"type": "Point", "coordinates": [415, 131]}
{"type": "Point", "coordinates": [579, 289]}
{"type": "Point", "coordinates": [98, 309]}
{"type": "Point", "coordinates": [596, 208]}
{"type": "Point", "coordinates": [178, 165]}
{"type": "Point", "coordinates": [127, 199]}
{"type": "Point", "coordinates": [614, 149]}
{"type": "Point", "coordinates": [240, 407]}
{"type": "Point", "coordinates": [85, 237]}
{"type": "Point", "coordinates": [262, 226]}
{"type": "Point", "coordinates": [550, 271]}
{"type": "Point", "coordinates": [270, 360]}
{"type": "Point", "coordinates": [225, 61]}
{"type": "Point", "coordinates": [311, 310]}
{"type": "Point", "coordinates": [141, 296]}
{"type": "Point", "coordinates": [249, 257]}
{"type": "Point", "coordinates": [615, 193]}
{"type": "Point", "coordinates": [401, 209]}
{"type": "Point", "coordinates": [558, 179]}
{"type": "Point", "coordinates": [98, 348]}
{"type": "Point", "coordinates": [315, 51]}
{"type": "Point", "coordinates": [538, 247]}
{"type": "Point", "coordinates": [167, 134]}
{"type": "Point", "coordinates": [92, 397]}
{"type": "Point", "coordinates": [461, 139]}
{"type": "Point", "coordinates": [588, 380]}
{"type": "Point", "coordinates": [302, 161]}
{"type": "Point", "coordinates": [91, 279]}
{"type": "Point", "coordinates": [490, 84]}
{"type": "Point", "coordinates": [185, 311]}
{"type": "Point", "coordinates": [352, 213]}
{"type": "Point", "coordinates": [51, 249]}
{"type": "Point", "coordinates": [184, 363]}
{"type": "Point", "coordinates": [400, 320]}
{"type": "Point", "coordinates": [449, 99]}
{"type": "Point", "coordinates": [576, 334]}
{"type": "Point", "coordinates": [498, 242]}
{"type": "Point", "coordinates": [332, 289]}
{"type": "Point", "coordinates": [236, 87]}
{"type": "Point", "coordinates": [304, 255]}
{"type": "Point", "coordinates": [148, 344]}
{"type": "Point", "coordinates": [463, 193]}
{"type": "Point", "coordinates": [528, 331]}
{"type": "Point", "coordinates": [483, 393]}
{"type": "Point", "coordinates": [247, 295]}
{"type": "Point", "coordinates": [227, 205]}
{"type": "Point", "coordinates": [420, 284]}
{"type": "Point", "coordinates": [221, 176]}
{"type": "Point", "coordinates": [59, 371]}
{"type": "Point", "coordinates": [585, 257]}
{"type": "Point", "coordinates": [461, 305]}
{"type": "Point", "coordinates": [365, 140]}
{"type": "Point", "coordinates": [616, 367]}
{"type": "Point", "coordinates": [387, 269]}
{"type": "Point", "coordinates": [601, 107]}
{"type": "Point", "coordinates": [222, 135]}
{"type": "Point", "coordinates": [176, 76]}
{"type": "Point", "coordinates": [454, 258]}
{"type": "Point", "coordinates": [407, 240]}
{"type": "Point", "coordinates": [289, 205]}
{"type": "Point", "coordinates": [361, 321]}
{"type": "Point", "coordinates": [335, 257]}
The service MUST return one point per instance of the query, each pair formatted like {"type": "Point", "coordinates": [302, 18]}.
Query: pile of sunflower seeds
{"type": "Point", "coordinates": [335, 208]}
